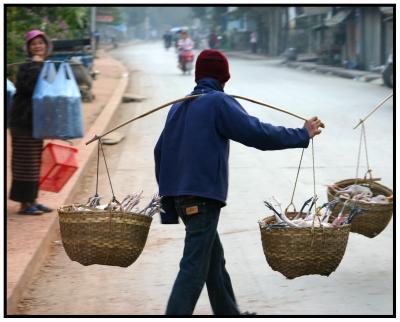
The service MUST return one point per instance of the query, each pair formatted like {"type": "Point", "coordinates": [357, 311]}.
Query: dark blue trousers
{"type": "Point", "coordinates": [202, 262]}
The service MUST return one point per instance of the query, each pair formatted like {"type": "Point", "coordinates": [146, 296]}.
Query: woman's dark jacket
{"type": "Point", "coordinates": [21, 111]}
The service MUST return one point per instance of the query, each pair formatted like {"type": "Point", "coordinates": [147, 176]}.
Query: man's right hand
{"type": "Point", "coordinates": [312, 126]}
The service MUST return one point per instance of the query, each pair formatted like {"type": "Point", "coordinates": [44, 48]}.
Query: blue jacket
{"type": "Point", "coordinates": [191, 155]}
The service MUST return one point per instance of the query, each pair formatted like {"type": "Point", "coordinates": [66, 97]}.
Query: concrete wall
{"type": "Point", "coordinates": [387, 40]}
{"type": "Point", "coordinates": [372, 31]}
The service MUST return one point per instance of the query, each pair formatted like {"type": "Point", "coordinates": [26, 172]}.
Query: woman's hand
{"type": "Point", "coordinates": [37, 58]}
{"type": "Point", "coordinates": [312, 126]}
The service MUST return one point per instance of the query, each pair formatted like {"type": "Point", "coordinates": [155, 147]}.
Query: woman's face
{"type": "Point", "coordinates": [38, 47]}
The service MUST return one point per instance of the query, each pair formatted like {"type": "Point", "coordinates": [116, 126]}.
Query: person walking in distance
{"type": "Point", "coordinates": [253, 42]}
{"type": "Point", "coordinates": [191, 166]}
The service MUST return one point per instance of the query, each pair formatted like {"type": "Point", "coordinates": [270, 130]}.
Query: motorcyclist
{"type": "Point", "coordinates": [167, 38]}
{"type": "Point", "coordinates": [185, 43]}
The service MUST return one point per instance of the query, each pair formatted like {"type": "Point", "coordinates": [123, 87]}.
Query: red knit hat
{"type": "Point", "coordinates": [212, 63]}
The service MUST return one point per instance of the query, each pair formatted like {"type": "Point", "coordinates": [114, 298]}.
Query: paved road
{"type": "Point", "coordinates": [362, 284]}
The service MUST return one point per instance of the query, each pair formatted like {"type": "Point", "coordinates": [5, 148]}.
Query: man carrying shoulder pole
{"type": "Point", "coordinates": [191, 159]}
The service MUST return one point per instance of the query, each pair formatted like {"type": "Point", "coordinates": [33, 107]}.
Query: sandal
{"type": "Point", "coordinates": [30, 210]}
{"type": "Point", "coordinates": [43, 208]}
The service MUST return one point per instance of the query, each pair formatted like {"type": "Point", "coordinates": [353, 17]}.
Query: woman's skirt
{"type": "Point", "coordinates": [26, 160]}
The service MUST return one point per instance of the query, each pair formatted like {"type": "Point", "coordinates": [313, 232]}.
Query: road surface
{"type": "Point", "coordinates": [363, 282]}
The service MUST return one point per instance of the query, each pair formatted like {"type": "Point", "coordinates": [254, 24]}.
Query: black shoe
{"type": "Point", "coordinates": [30, 210]}
{"type": "Point", "coordinates": [43, 208]}
{"type": "Point", "coordinates": [248, 313]}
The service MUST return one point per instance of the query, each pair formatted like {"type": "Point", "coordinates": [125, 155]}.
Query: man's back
{"type": "Point", "coordinates": [192, 153]}
{"type": "Point", "coordinates": [191, 159]}
{"type": "Point", "coordinates": [193, 150]}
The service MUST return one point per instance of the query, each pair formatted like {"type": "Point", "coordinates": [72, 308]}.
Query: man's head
{"type": "Point", "coordinates": [212, 63]}
{"type": "Point", "coordinates": [184, 34]}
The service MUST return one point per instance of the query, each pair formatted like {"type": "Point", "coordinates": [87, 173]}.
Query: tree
{"type": "Point", "coordinates": [57, 22]}
{"type": "Point", "coordinates": [199, 12]}
{"type": "Point", "coordinates": [219, 17]}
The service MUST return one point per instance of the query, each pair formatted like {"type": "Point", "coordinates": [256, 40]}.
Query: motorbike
{"type": "Point", "coordinates": [80, 54]}
{"type": "Point", "coordinates": [186, 61]}
{"type": "Point", "coordinates": [290, 54]}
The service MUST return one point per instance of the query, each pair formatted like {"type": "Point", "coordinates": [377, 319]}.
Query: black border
{"type": "Point", "coordinates": [5, 5]}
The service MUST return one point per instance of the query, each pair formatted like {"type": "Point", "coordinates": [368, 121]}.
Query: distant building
{"type": "Point", "coordinates": [304, 28]}
{"type": "Point", "coordinates": [268, 22]}
{"type": "Point", "coordinates": [354, 37]}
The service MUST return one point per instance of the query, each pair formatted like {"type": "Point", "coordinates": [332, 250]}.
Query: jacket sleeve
{"type": "Point", "coordinates": [157, 156]}
{"type": "Point", "coordinates": [236, 124]}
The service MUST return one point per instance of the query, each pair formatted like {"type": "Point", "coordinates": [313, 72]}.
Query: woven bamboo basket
{"type": "Point", "coordinates": [296, 252]}
{"type": "Point", "coordinates": [111, 238]}
{"type": "Point", "coordinates": [375, 218]}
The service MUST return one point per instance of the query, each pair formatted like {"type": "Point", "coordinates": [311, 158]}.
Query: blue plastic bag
{"type": "Point", "coordinates": [10, 94]}
{"type": "Point", "coordinates": [57, 112]}
{"type": "Point", "coordinates": [45, 80]}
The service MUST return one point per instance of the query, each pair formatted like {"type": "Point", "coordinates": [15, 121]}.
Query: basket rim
{"type": "Point", "coordinates": [93, 211]}
{"type": "Point", "coordinates": [380, 207]}
{"type": "Point", "coordinates": [373, 184]}
{"type": "Point", "coordinates": [301, 229]}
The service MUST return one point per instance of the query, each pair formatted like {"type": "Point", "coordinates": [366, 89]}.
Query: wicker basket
{"type": "Point", "coordinates": [296, 252]}
{"type": "Point", "coordinates": [375, 218]}
{"type": "Point", "coordinates": [111, 238]}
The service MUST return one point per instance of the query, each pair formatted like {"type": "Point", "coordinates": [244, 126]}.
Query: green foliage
{"type": "Point", "coordinates": [159, 17]}
{"type": "Point", "coordinates": [199, 12]}
{"type": "Point", "coordinates": [135, 15]}
{"type": "Point", "coordinates": [57, 22]}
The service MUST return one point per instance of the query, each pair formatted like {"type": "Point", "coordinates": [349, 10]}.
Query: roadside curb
{"type": "Point", "coordinates": [359, 75]}
{"type": "Point", "coordinates": [364, 76]}
{"type": "Point", "coordinates": [50, 224]}
{"type": "Point", "coordinates": [247, 55]}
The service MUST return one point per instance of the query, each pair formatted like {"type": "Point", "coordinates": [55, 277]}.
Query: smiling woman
{"type": "Point", "coordinates": [38, 46]}
{"type": "Point", "coordinates": [26, 150]}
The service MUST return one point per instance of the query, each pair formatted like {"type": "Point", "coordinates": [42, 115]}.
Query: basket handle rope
{"type": "Point", "coordinates": [295, 183]}
{"type": "Point", "coordinates": [313, 169]}
{"type": "Point", "coordinates": [97, 170]}
{"type": "Point", "coordinates": [363, 139]}
{"type": "Point", "coordinates": [315, 196]}
{"type": "Point", "coordinates": [100, 147]}
{"type": "Point", "coordinates": [297, 176]}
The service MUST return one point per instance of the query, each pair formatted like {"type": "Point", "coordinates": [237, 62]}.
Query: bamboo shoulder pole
{"type": "Point", "coordinates": [373, 111]}
{"type": "Point", "coordinates": [270, 106]}
{"type": "Point", "coordinates": [97, 137]}
{"type": "Point", "coordinates": [50, 61]}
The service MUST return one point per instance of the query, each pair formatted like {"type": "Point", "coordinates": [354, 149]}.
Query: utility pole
{"type": "Point", "coordinates": [146, 27]}
{"type": "Point", "coordinates": [93, 29]}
